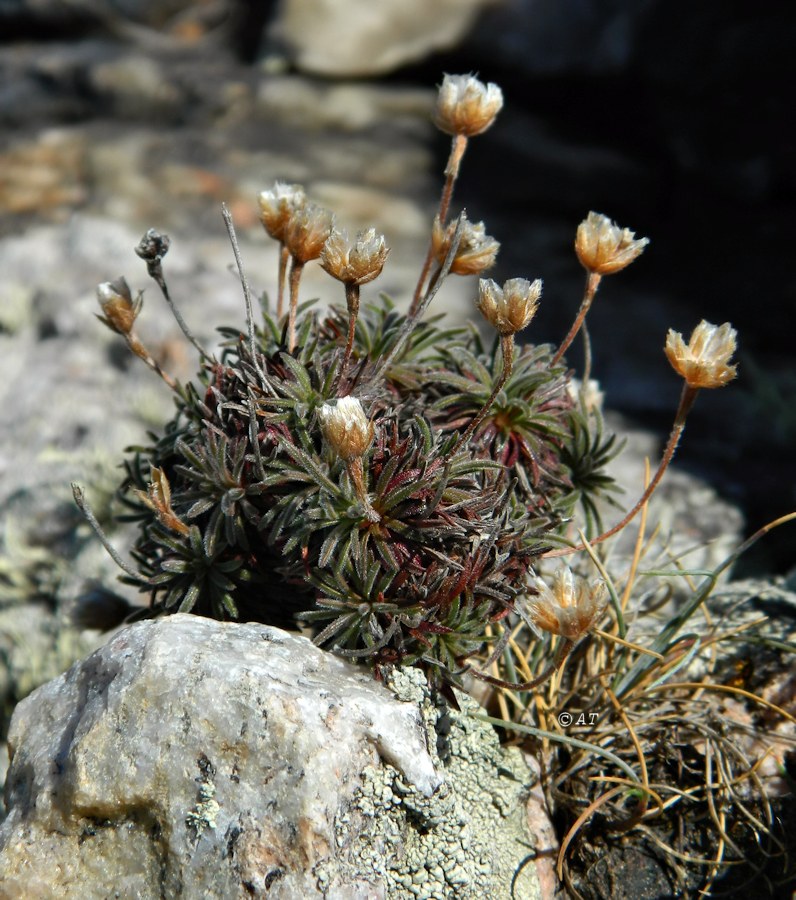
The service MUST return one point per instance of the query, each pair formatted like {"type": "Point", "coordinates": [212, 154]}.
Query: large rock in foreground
{"type": "Point", "coordinates": [190, 758]}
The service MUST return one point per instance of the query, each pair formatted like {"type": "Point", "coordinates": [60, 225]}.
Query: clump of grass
{"type": "Point", "coordinates": [636, 742]}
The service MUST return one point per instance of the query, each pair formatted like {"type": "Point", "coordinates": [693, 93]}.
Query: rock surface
{"type": "Point", "coordinates": [192, 758]}
{"type": "Point", "coordinates": [356, 37]}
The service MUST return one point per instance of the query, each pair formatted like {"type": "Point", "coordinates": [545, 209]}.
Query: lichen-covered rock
{"type": "Point", "coordinates": [189, 757]}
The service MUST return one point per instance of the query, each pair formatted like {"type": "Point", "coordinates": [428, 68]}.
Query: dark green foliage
{"type": "Point", "coordinates": [271, 527]}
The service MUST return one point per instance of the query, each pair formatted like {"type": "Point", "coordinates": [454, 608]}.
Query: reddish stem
{"type": "Point", "coordinates": [687, 399]}
{"type": "Point", "coordinates": [458, 146]}
{"type": "Point", "coordinates": [592, 283]}
{"type": "Point", "coordinates": [507, 347]}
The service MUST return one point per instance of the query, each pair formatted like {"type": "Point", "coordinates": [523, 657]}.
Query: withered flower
{"type": "Point", "coordinates": [705, 361]}
{"type": "Point", "coordinates": [509, 309]}
{"type": "Point", "coordinates": [278, 205]}
{"type": "Point", "coordinates": [158, 498]}
{"type": "Point", "coordinates": [306, 231]}
{"type": "Point", "coordinates": [569, 607]}
{"type": "Point", "coordinates": [119, 308]}
{"type": "Point", "coordinates": [476, 251]}
{"type": "Point", "coordinates": [354, 264]}
{"type": "Point", "coordinates": [603, 248]}
{"type": "Point", "coordinates": [466, 106]}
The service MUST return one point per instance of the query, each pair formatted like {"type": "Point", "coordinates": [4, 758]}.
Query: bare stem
{"type": "Point", "coordinates": [592, 283]}
{"type": "Point", "coordinates": [507, 348]}
{"type": "Point", "coordinates": [284, 256]}
{"type": "Point", "coordinates": [458, 146]}
{"type": "Point", "coordinates": [155, 270]}
{"type": "Point", "coordinates": [296, 268]}
{"type": "Point", "coordinates": [83, 506]}
{"type": "Point", "coordinates": [135, 345]}
{"type": "Point", "coordinates": [687, 399]}
{"type": "Point", "coordinates": [412, 318]}
{"type": "Point", "coordinates": [247, 296]}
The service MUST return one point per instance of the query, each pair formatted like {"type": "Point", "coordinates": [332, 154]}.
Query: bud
{"type": "Point", "coordinates": [704, 361]}
{"type": "Point", "coordinates": [603, 248]}
{"type": "Point", "coordinates": [346, 427]}
{"type": "Point", "coordinates": [357, 264]}
{"type": "Point", "coordinates": [153, 246]}
{"type": "Point", "coordinates": [118, 306]}
{"type": "Point", "coordinates": [158, 498]}
{"type": "Point", "coordinates": [509, 309]}
{"type": "Point", "coordinates": [278, 205]}
{"type": "Point", "coordinates": [476, 251]}
{"type": "Point", "coordinates": [570, 607]}
{"type": "Point", "coordinates": [466, 106]}
{"type": "Point", "coordinates": [307, 230]}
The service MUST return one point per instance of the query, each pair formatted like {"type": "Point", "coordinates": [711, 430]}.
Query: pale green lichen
{"type": "Point", "coordinates": [469, 840]}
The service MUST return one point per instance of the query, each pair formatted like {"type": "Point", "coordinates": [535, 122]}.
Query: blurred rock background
{"type": "Point", "coordinates": [120, 115]}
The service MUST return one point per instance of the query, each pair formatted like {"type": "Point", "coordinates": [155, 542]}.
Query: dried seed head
{"type": "Point", "coordinates": [153, 246]}
{"type": "Point", "coordinates": [570, 607]}
{"type": "Point", "coordinates": [118, 306]}
{"type": "Point", "coordinates": [357, 264]}
{"type": "Point", "coordinates": [307, 230]}
{"type": "Point", "coordinates": [510, 308]}
{"type": "Point", "coordinates": [603, 248]}
{"type": "Point", "coordinates": [346, 427]}
{"type": "Point", "coordinates": [466, 105]}
{"type": "Point", "coordinates": [705, 361]}
{"type": "Point", "coordinates": [158, 498]}
{"type": "Point", "coordinates": [278, 205]}
{"type": "Point", "coordinates": [476, 251]}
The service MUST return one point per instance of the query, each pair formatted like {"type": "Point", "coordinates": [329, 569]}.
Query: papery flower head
{"type": "Point", "coordinates": [704, 362]}
{"type": "Point", "coordinates": [476, 251]}
{"type": "Point", "coordinates": [466, 105]}
{"type": "Point", "coordinates": [358, 263]}
{"type": "Point", "coordinates": [278, 205]}
{"type": "Point", "coordinates": [570, 606]}
{"type": "Point", "coordinates": [119, 308]}
{"type": "Point", "coordinates": [603, 247]}
{"type": "Point", "coordinates": [346, 427]}
{"type": "Point", "coordinates": [307, 230]}
{"type": "Point", "coordinates": [510, 308]}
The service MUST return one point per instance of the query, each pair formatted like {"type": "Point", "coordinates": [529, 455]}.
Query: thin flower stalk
{"type": "Point", "coordinates": [349, 433]}
{"type": "Point", "coordinates": [152, 247]}
{"type": "Point", "coordinates": [603, 248]}
{"type": "Point", "coordinates": [508, 309]}
{"type": "Point", "coordinates": [305, 234]}
{"type": "Point", "coordinates": [507, 351]}
{"type": "Point", "coordinates": [277, 206]}
{"type": "Point", "coordinates": [354, 265]}
{"type": "Point", "coordinates": [593, 280]}
{"type": "Point", "coordinates": [703, 363]}
{"type": "Point", "coordinates": [465, 107]}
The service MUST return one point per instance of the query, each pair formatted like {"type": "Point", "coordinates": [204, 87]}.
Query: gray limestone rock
{"type": "Point", "coordinates": [200, 759]}
{"type": "Point", "coordinates": [356, 37]}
